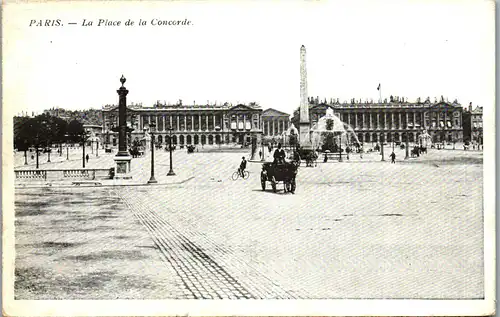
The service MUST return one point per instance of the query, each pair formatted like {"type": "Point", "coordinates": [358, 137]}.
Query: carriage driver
{"type": "Point", "coordinates": [279, 155]}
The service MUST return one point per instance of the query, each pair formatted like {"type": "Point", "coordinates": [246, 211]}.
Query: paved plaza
{"type": "Point", "coordinates": [354, 229]}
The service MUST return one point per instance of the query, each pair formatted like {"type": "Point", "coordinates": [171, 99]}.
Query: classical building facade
{"type": "Point", "coordinates": [190, 124]}
{"type": "Point", "coordinates": [274, 122]}
{"type": "Point", "coordinates": [473, 124]}
{"type": "Point", "coordinates": [393, 120]}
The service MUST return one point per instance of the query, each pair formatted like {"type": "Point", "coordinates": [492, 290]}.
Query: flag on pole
{"type": "Point", "coordinates": [378, 88]}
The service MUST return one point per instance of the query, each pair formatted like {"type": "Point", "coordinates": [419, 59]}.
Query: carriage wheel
{"type": "Point", "coordinates": [288, 186]}
{"type": "Point", "coordinates": [273, 183]}
{"type": "Point", "coordinates": [246, 174]}
{"type": "Point", "coordinates": [235, 176]}
{"type": "Point", "coordinates": [293, 186]}
{"type": "Point", "coordinates": [263, 181]}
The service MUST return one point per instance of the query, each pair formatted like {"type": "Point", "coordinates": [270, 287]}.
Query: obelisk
{"type": "Point", "coordinates": [304, 124]}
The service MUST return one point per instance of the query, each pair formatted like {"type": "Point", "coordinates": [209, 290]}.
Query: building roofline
{"type": "Point", "coordinates": [272, 109]}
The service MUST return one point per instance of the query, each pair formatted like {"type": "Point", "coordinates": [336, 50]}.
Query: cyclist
{"type": "Point", "coordinates": [243, 166]}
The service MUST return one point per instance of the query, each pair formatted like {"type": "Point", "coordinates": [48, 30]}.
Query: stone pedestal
{"type": "Point", "coordinates": [122, 170]}
{"type": "Point", "coordinates": [305, 136]}
{"type": "Point", "coordinates": [255, 146]}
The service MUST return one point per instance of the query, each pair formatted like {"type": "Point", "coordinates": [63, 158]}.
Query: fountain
{"type": "Point", "coordinates": [343, 133]}
{"type": "Point", "coordinates": [425, 139]}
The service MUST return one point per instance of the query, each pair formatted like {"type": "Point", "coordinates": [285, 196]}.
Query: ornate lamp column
{"type": "Point", "coordinates": [340, 148]}
{"type": "Point", "coordinates": [122, 158]}
{"type": "Point", "coordinates": [407, 147]}
{"type": "Point", "coordinates": [171, 171]}
{"type": "Point", "coordinates": [382, 139]}
{"type": "Point", "coordinates": [67, 147]}
{"type": "Point", "coordinates": [152, 179]}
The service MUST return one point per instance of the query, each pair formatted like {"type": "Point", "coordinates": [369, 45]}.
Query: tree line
{"type": "Point", "coordinates": [44, 131]}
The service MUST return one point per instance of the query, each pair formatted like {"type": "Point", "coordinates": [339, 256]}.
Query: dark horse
{"type": "Point", "coordinates": [415, 152]}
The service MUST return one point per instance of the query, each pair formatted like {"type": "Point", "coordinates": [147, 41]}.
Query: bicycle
{"type": "Point", "coordinates": [237, 174]}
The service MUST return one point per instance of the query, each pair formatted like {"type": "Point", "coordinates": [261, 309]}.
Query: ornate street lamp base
{"type": "Point", "coordinates": [152, 180]}
{"type": "Point", "coordinates": [122, 170]}
{"type": "Point", "coordinates": [170, 173]}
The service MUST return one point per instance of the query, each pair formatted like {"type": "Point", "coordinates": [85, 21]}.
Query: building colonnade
{"type": "Point", "coordinates": [274, 126]}
{"type": "Point", "coordinates": [370, 124]}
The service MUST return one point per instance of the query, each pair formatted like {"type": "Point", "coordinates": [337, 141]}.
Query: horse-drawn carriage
{"type": "Point", "coordinates": [279, 173]}
{"type": "Point", "coordinates": [309, 156]}
{"type": "Point", "coordinates": [311, 159]}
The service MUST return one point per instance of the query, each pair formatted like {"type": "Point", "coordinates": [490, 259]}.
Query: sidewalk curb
{"type": "Point", "coordinates": [105, 185]}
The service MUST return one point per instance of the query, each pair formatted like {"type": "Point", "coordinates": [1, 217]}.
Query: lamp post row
{"type": "Point", "coordinates": [152, 179]}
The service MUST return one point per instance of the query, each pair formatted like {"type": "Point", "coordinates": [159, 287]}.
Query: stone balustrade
{"type": "Point", "coordinates": [31, 174]}
{"type": "Point", "coordinates": [61, 174]}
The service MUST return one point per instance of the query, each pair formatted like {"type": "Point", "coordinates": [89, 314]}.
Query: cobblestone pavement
{"type": "Point", "coordinates": [84, 244]}
{"type": "Point", "coordinates": [201, 274]}
{"type": "Point", "coordinates": [352, 230]}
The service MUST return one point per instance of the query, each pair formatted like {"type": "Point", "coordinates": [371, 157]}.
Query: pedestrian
{"type": "Point", "coordinates": [260, 154]}
{"type": "Point", "coordinates": [393, 158]}
{"type": "Point", "coordinates": [87, 158]}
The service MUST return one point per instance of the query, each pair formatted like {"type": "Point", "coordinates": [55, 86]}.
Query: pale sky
{"type": "Point", "coordinates": [242, 52]}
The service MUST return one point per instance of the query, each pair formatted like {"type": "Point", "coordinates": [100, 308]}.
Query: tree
{"type": "Point", "coordinates": [75, 131]}
{"type": "Point", "coordinates": [22, 134]}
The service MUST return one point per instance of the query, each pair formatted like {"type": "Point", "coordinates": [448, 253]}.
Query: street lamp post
{"type": "Point", "coordinates": [66, 136]}
{"type": "Point", "coordinates": [407, 152]}
{"type": "Point", "coordinates": [340, 147]}
{"type": "Point", "coordinates": [107, 139]}
{"type": "Point", "coordinates": [84, 139]}
{"type": "Point", "coordinates": [171, 171]}
{"type": "Point", "coordinates": [83, 153]}
{"type": "Point", "coordinates": [263, 157]}
{"type": "Point", "coordinates": [152, 179]}
{"type": "Point", "coordinates": [37, 165]}
{"type": "Point", "coordinates": [25, 152]}
{"type": "Point", "coordinates": [97, 148]}
{"type": "Point", "coordinates": [382, 138]}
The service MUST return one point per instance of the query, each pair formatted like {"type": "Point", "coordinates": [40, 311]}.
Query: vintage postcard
{"type": "Point", "coordinates": [248, 158]}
